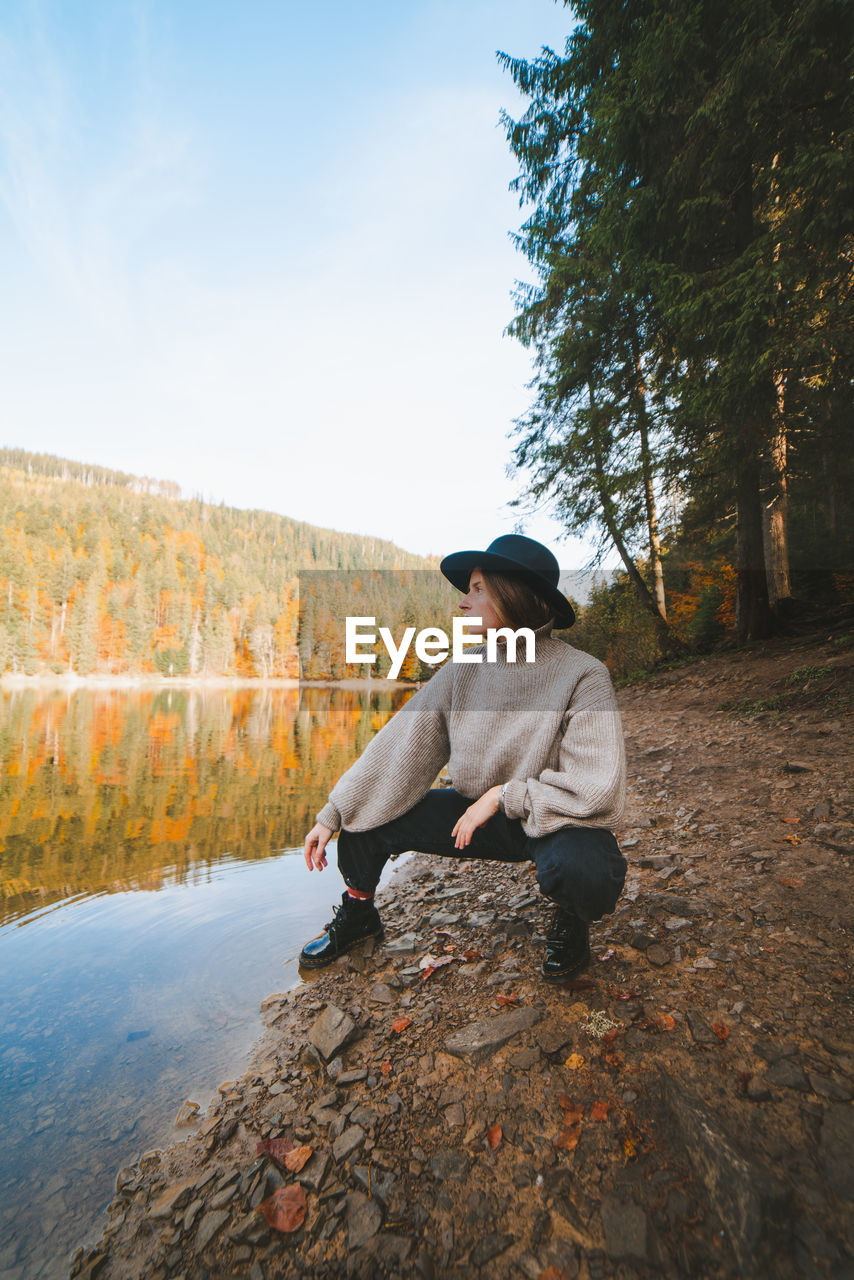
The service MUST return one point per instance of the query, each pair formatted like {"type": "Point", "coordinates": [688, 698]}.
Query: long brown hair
{"type": "Point", "coordinates": [517, 604]}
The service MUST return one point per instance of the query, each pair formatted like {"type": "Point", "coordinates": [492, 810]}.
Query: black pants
{"type": "Point", "coordinates": [580, 868]}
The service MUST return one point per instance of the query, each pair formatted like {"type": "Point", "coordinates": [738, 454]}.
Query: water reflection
{"type": "Point", "coordinates": [117, 1003]}
{"type": "Point", "coordinates": [104, 790]}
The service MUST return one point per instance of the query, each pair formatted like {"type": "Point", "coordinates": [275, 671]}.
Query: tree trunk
{"type": "Point", "coordinates": [649, 497]}
{"type": "Point", "coordinates": [775, 519]}
{"type": "Point", "coordinates": [752, 614]}
{"type": "Point", "coordinates": [667, 643]}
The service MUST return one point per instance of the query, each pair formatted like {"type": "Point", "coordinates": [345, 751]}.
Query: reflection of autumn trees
{"type": "Point", "coordinates": [103, 572]}
{"type": "Point", "coordinates": [103, 790]}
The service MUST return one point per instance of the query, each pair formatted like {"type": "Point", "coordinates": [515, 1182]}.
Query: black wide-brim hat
{"type": "Point", "coordinates": [523, 557]}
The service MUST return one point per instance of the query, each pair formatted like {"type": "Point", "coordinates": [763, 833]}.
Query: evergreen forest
{"type": "Point", "coordinates": [686, 175]}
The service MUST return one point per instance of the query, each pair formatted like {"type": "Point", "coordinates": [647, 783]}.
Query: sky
{"type": "Point", "coordinates": [264, 250]}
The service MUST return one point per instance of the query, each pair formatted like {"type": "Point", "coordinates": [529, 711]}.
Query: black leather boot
{"type": "Point", "coordinates": [354, 921]}
{"type": "Point", "coordinates": [567, 946]}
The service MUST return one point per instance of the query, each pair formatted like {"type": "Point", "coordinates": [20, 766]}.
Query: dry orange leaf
{"type": "Point", "coordinates": [571, 1110]}
{"type": "Point", "coordinates": [511, 998]}
{"type": "Point", "coordinates": [574, 1061]}
{"type": "Point", "coordinates": [385, 1069]}
{"type": "Point", "coordinates": [470, 956]}
{"type": "Point", "coordinates": [630, 1149]}
{"type": "Point", "coordinates": [567, 1139]}
{"type": "Point", "coordinates": [294, 1160]}
{"type": "Point", "coordinates": [400, 1024]}
{"type": "Point", "coordinates": [494, 1136]}
{"type": "Point", "coordinates": [791, 820]}
{"type": "Point", "coordinates": [285, 1209]}
{"type": "Point", "coordinates": [791, 882]}
{"type": "Point", "coordinates": [721, 1030]}
{"type": "Point", "coordinates": [599, 1111]}
{"type": "Point", "coordinates": [793, 839]}
{"type": "Point", "coordinates": [665, 1021]}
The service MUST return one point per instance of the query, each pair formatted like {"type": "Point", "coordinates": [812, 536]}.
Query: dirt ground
{"type": "Point", "coordinates": [682, 1109]}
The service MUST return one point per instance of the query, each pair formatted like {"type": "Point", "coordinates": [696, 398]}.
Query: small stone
{"type": "Point", "coordinates": [829, 1087]}
{"type": "Point", "coordinates": [624, 1225]}
{"type": "Point", "coordinates": [454, 1115]}
{"type": "Point", "coordinates": [787, 1075]}
{"type": "Point", "coordinates": [797, 766]}
{"type": "Point", "coordinates": [334, 1070]}
{"type": "Point", "coordinates": [347, 1142]}
{"type": "Point", "coordinates": [553, 1039]}
{"type": "Point", "coordinates": [481, 1038]}
{"type": "Point", "coordinates": [757, 1090]}
{"type": "Point", "coordinates": [658, 955]}
{"type": "Point", "coordinates": [174, 1197]}
{"type": "Point", "coordinates": [524, 1059]}
{"type": "Point", "coordinates": [188, 1114]}
{"type": "Point", "coordinates": [641, 941]}
{"type": "Point", "coordinates": [449, 1163]}
{"type": "Point", "coordinates": [331, 1031]}
{"type": "Point", "coordinates": [489, 1247]}
{"type": "Point", "coordinates": [703, 962]}
{"type": "Point", "coordinates": [381, 993]}
{"type": "Point", "coordinates": [701, 1032]}
{"type": "Point", "coordinates": [210, 1224]}
{"type": "Point", "coordinates": [313, 1173]}
{"type": "Point", "coordinates": [406, 945]}
{"type": "Point", "coordinates": [364, 1219]}
{"type": "Point", "coordinates": [353, 1076]}
{"type": "Point", "coordinates": [377, 1182]}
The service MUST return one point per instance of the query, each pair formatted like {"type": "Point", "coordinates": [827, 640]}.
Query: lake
{"type": "Point", "coordinates": [152, 892]}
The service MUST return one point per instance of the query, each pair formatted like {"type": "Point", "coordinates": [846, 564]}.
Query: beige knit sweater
{"type": "Point", "coordinates": [549, 729]}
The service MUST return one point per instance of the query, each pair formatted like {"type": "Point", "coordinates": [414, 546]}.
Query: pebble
{"type": "Point", "coordinates": [348, 1142]}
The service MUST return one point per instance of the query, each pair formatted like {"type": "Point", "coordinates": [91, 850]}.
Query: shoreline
{"type": "Point", "coordinates": [683, 1107]}
{"type": "Point", "coordinates": [71, 682]}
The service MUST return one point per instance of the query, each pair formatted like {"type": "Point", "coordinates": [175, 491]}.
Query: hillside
{"type": "Point", "coordinates": [103, 572]}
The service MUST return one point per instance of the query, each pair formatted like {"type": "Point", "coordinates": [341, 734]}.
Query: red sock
{"type": "Point", "coordinates": [360, 894]}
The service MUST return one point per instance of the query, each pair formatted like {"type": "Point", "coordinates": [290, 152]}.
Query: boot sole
{"type": "Point", "coordinates": [321, 963]}
{"type": "Point", "coordinates": [569, 972]}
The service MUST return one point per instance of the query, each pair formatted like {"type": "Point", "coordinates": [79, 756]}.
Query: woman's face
{"type": "Point", "coordinates": [478, 603]}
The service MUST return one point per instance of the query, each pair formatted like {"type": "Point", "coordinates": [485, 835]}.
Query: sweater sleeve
{"type": "Point", "coordinates": [588, 788]}
{"type": "Point", "coordinates": [399, 765]}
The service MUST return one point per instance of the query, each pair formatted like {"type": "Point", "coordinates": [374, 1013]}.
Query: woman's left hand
{"type": "Point", "coordinates": [476, 815]}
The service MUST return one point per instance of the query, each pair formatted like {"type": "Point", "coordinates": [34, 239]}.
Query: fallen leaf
{"type": "Point", "coordinates": [400, 1024]}
{"type": "Point", "coordinates": [511, 998]}
{"type": "Point", "coordinates": [791, 882]}
{"type": "Point", "coordinates": [567, 1139]}
{"type": "Point", "coordinates": [469, 956]}
{"type": "Point", "coordinates": [574, 1061]}
{"type": "Point", "coordinates": [275, 1148]}
{"type": "Point", "coordinates": [385, 1069]}
{"type": "Point", "coordinates": [721, 1030]}
{"type": "Point", "coordinates": [630, 1149]}
{"type": "Point", "coordinates": [665, 1021]}
{"type": "Point", "coordinates": [612, 1059]}
{"type": "Point", "coordinates": [791, 820]}
{"type": "Point", "coordinates": [286, 1208]}
{"type": "Point", "coordinates": [429, 964]}
{"type": "Point", "coordinates": [450, 946]}
{"type": "Point", "coordinates": [608, 955]}
{"type": "Point", "coordinates": [572, 1112]}
{"type": "Point", "coordinates": [792, 839]}
{"type": "Point", "coordinates": [295, 1159]}
{"type": "Point", "coordinates": [610, 1036]}
{"type": "Point", "coordinates": [494, 1136]}
{"type": "Point", "coordinates": [599, 1111]}
{"type": "Point", "coordinates": [626, 995]}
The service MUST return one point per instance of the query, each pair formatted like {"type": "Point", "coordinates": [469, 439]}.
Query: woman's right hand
{"type": "Point", "coordinates": [315, 845]}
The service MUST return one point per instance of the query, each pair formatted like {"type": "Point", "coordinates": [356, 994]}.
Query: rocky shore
{"type": "Point", "coordinates": [429, 1108]}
